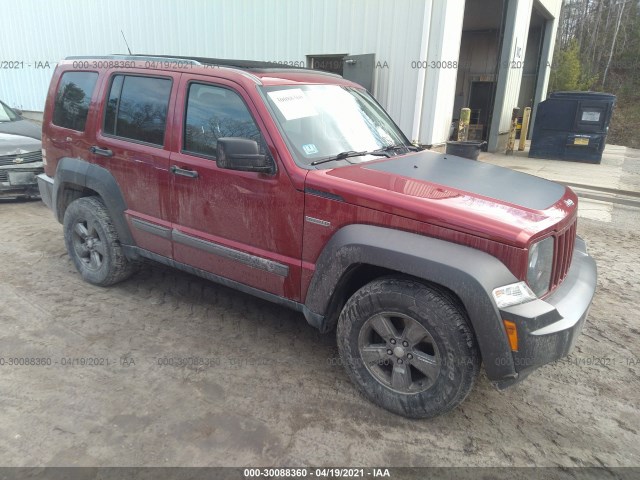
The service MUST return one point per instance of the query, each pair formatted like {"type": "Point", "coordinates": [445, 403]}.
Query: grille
{"type": "Point", "coordinates": [565, 241]}
{"type": "Point", "coordinates": [26, 158]}
{"type": "Point", "coordinates": [4, 176]}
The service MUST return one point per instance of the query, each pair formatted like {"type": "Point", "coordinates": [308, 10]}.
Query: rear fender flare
{"type": "Point", "coordinates": [74, 172]}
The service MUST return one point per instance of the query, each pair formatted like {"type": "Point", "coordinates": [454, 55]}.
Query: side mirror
{"type": "Point", "coordinates": [18, 111]}
{"type": "Point", "coordinates": [236, 153]}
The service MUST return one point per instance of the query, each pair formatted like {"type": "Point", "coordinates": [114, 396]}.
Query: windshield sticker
{"type": "Point", "coordinates": [293, 103]}
{"type": "Point", "coordinates": [310, 149]}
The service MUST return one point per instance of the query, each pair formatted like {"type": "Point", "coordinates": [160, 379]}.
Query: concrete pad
{"type": "Point", "coordinates": [595, 210]}
{"type": "Point", "coordinates": [631, 168]}
{"type": "Point", "coordinates": [606, 175]}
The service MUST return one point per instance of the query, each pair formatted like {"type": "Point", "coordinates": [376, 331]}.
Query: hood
{"type": "Point", "coordinates": [22, 127]}
{"type": "Point", "coordinates": [17, 144]}
{"type": "Point", "coordinates": [464, 195]}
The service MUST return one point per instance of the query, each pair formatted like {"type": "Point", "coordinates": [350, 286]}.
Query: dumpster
{"type": "Point", "coordinates": [465, 149]}
{"type": "Point", "coordinates": [572, 126]}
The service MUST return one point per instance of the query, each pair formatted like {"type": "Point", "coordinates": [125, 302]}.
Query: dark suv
{"type": "Point", "coordinates": [295, 186]}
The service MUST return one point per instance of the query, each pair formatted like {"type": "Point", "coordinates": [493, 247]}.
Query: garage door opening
{"type": "Point", "coordinates": [357, 68]}
{"type": "Point", "coordinates": [327, 63]}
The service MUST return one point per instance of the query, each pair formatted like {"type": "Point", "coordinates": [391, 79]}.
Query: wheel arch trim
{"type": "Point", "coordinates": [469, 273]}
{"type": "Point", "coordinates": [79, 173]}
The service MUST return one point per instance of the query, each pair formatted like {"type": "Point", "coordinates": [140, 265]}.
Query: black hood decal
{"type": "Point", "coordinates": [475, 177]}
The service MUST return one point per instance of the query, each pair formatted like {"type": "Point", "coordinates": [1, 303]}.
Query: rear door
{"type": "Point", "coordinates": [243, 226]}
{"type": "Point", "coordinates": [67, 124]}
{"type": "Point", "coordinates": [133, 143]}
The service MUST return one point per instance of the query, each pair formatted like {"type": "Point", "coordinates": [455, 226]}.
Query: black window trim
{"type": "Point", "coordinates": [184, 119]}
{"type": "Point", "coordinates": [115, 119]}
{"type": "Point", "coordinates": [106, 104]}
{"type": "Point", "coordinates": [91, 100]}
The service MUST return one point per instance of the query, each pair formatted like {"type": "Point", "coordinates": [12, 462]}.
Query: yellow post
{"type": "Point", "coordinates": [525, 127]}
{"type": "Point", "coordinates": [512, 132]}
{"type": "Point", "coordinates": [463, 125]}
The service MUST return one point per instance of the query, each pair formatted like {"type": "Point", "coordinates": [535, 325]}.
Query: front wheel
{"type": "Point", "coordinates": [93, 244]}
{"type": "Point", "coordinates": [408, 347]}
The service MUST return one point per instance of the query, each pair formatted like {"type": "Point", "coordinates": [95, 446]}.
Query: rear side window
{"type": "Point", "coordinates": [72, 100]}
{"type": "Point", "coordinates": [137, 108]}
{"type": "Point", "coordinates": [216, 112]}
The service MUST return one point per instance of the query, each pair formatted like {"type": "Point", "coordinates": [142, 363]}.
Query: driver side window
{"type": "Point", "coordinates": [216, 112]}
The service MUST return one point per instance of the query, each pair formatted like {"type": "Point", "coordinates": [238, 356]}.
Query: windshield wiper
{"type": "Point", "coordinates": [393, 148]}
{"type": "Point", "coordinates": [348, 154]}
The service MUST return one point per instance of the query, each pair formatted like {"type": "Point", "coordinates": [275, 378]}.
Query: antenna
{"type": "Point", "coordinates": [125, 42]}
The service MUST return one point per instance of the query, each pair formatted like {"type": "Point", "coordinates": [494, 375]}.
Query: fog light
{"type": "Point", "coordinates": [513, 294]}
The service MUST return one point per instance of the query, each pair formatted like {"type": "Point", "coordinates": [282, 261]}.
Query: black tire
{"type": "Point", "coordinates": [92, 243]}
{"type": "Point", "coordinates": [433, 371]}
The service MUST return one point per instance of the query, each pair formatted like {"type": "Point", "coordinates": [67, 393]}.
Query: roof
{"type": "Point", "coordinates": [262, 73]}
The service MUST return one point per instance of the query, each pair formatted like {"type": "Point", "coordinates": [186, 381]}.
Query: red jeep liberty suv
{"type": "Point", "coordinates": [295, 185]}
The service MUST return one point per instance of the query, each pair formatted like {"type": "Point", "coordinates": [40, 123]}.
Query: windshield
{"type": "Point", "coordinates": [320, 122]}
{"type": "Point", "coordinates": [7, 114]}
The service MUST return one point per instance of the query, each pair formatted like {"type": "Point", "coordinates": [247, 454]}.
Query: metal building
{"type": "Point", "coordinates": [422, 59]}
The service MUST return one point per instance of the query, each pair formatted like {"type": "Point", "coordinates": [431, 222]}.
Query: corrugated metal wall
{"type": "Point", "coordinates": [271, 30]}
{"type": "Point", "coordinates": [440, 87]}
{"type": "Point", "coordinates": [516, 35]}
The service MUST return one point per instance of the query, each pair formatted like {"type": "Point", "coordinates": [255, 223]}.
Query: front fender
{"type": "Point", "coordinates": [469, 273]}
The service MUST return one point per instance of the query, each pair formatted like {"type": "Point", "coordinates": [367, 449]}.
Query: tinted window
{"type": "Point", "coordinates": [137, 108]}
{"type": "Point", "coordinates": [215, 112]}
{"type": "Point", "coordinates": [72, 100]}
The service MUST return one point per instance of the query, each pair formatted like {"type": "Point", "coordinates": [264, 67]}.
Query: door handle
{"type": "Point", "coordinates": [105, 152]}
{"type": "Point", "coordinates": [183, 172]}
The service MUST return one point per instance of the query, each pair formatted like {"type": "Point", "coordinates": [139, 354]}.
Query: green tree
{"type": "Point", "coordinates": [566, 72]}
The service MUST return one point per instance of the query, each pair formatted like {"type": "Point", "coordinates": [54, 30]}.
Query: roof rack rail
{"type": "Point", "coordinates": [156, 58]}
{"type": "Point", "coordinates": [247, 65]}
{"type": "Point", "coordinates": [228, 62]}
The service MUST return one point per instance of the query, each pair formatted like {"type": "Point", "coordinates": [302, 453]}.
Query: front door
{"type": "Point", "coordinates": [243, 226]}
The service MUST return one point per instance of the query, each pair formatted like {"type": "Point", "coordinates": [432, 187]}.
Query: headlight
{"type": "Point", "coordinates": [540, 266]}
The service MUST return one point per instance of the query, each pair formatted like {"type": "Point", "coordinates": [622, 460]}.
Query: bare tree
{"type": "Point", "coordinates": [594, 35]}
{"type": "Point", "coordinates": [613, 42]}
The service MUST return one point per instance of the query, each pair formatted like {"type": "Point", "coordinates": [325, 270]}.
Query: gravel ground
{"type": "Point", "coordinates": [269, 389]}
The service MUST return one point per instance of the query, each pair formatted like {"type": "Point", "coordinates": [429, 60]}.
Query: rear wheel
{"type": "Point", "coordinates": [408, 347]}
{"type": "Point", "coordinates": [93, 244]}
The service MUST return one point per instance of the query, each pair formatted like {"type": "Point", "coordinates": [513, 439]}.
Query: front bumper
{"type": "Point", "coordinates": [45, 185]}
{"type": "Point", "coordinates": [548, 329]}
{"type": "Point", "coordinates": [20, 180]}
